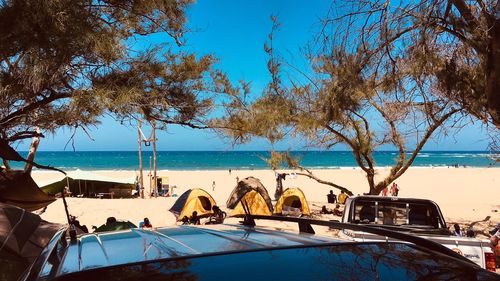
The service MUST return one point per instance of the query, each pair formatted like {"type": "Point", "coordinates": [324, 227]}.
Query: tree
{"type": "Point", "coordinates": [453, 44]}
{"type": "Point", "coordinates": [364, 94]}
{"type": "Point", "coordinates": [456, 43]}
{"type": "Point", "coordinates": [67, 62]}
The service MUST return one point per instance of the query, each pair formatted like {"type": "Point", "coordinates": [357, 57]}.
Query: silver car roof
{"type": "Point", "coordinates": [99, 250]}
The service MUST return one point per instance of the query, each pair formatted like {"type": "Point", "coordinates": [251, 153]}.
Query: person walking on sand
{"type": "Point", "coordinates": [385, 191]}
{"type": "Point", "coordinates": [394, 189]}
{"type": "Point", "coordinates": [213, 186]}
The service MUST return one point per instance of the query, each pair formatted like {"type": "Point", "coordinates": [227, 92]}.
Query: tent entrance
{"type": "Point", "coordinates": [205, 203]}
{"type": "Point", "coordinates": [293, 201]}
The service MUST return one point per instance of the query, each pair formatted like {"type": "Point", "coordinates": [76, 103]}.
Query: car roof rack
{"type": "Point", "coordinates": [305, 226]}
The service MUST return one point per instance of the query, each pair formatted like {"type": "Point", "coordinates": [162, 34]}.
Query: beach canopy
{"type": "Point", "coordinates": [19, 189]}
{"type": "Point", "coordinates": [253, 192]}
{"type": "Point", "coordinates": [292, 202]}
{"type": "Point", "coordinates": [23, 235]}
{"type": "Point", "coordinates": [192, 200]}
{"type": "Point", "coordinates": [89, 184]}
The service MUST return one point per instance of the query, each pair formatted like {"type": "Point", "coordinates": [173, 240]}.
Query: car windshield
{"type": "Point", "coordinates": [374, 261]}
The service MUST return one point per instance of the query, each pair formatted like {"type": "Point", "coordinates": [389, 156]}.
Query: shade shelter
{"type": "Point", "coordinates": [192, 200]}
{"type": "Point", "coordinates": [19, 189]}
{"type": "Point", "coordinates": [292, 201]}
{"type": "Point", "coordinates": [87, 184]}
{"type": "Point", "coordinates": [253, 193]}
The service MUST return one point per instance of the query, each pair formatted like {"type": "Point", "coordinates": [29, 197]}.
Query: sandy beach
{"type": "Point", "coordinates": [465, 195]}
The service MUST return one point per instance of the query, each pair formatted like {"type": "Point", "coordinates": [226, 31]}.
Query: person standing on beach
{"type": "Point", "coordinates": [229, 171]}
{"type": "Point", "coordinates": [279, 185]}
{"type": "Point", "coordinates": [137, 186]}
{"type": "Point", "coordinates": [213, 186]}
{"type": "Point", "coordinates": [495, 237]}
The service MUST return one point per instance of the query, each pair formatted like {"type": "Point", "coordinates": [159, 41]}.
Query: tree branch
{"type": "Point", "coordinates": [310, 175]}
{"type": "Point", "coordinates": [32, 107]}
{"type": "Point", "coordinates": [422, 142]}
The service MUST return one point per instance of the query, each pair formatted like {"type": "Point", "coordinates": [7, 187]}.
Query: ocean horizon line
{"type": "Point", "coordinates": [248, 160]}
{"type": "Point", "coordinates": [257, 169]}
{"type": "Point", "coordinates": [147, 150]}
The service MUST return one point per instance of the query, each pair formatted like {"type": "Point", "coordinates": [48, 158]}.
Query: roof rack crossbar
{"type": "Point", "coordinates": [248, 218]}
{"type": "Point", "coordinates": [306, 227]}
{"type": "Point", "coordinates": [305, 224]}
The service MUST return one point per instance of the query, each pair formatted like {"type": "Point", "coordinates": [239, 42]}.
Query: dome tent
{"type": "Point", "coordinates": [292, 201]}
{"type": "Point", "coordinates": [193, 200]}
{"type": "Point", "coordinates": [251, 191]}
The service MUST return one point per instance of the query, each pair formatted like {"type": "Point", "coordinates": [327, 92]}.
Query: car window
{"type": "Point", "coordinates": [362, 261]}
{"type": "Point", "coordinates": [396, 213]}
{"type": "Point", "coordinates": [392, 213]}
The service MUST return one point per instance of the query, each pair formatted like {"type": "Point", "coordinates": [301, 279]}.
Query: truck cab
{"type": "Point", "coordinates": [413, 215]}
{"type": "Point", "coordinates": [419, 217]}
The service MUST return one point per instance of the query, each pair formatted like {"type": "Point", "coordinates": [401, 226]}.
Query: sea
{"type": "Point", "coordinates": [247, 160]}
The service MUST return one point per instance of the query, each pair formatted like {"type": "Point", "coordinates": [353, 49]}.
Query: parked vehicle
{"type": "Point", "coordinates": [417, 216]}
{"type": "Point", "coordinates": [247, 252]}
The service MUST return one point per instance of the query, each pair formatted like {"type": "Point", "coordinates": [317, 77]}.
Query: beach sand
{"type": "Point", "coordinates": [465, 195]}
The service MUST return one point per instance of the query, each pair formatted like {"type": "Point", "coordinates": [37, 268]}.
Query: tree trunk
{"type": "Point", "coordinates": [31, 155]}
{"type": "Point", "coordinates": [370, 175]}
{"type": "Point", "coordinates": [493, 74]}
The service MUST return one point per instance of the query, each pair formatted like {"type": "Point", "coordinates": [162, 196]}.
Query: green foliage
{"type": "Point", "coordinates": [67, 62]}
{"type": "Point", "coordinates": [363, 91]}
{"type": "Point", "coordinates": [281, 159]}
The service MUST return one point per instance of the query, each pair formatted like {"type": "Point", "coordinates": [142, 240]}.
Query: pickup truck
{"type": "Point", "coordinates": [420, 217]}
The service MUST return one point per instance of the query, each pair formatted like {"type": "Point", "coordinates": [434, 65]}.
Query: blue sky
{"type": "Point", "coordinates": [235, 31]}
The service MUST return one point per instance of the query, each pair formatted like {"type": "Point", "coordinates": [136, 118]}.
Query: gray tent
{"type": "Point", "coordinates": [245, 186]}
